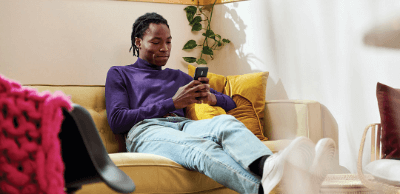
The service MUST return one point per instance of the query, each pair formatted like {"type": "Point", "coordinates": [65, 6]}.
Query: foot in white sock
{"type": "Point", "coordinates": [323, 162]}
{"type": "Point", "coordinates": [299, 155]}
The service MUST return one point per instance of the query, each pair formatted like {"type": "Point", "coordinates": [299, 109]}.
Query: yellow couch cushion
{"type": "Point", "coordinates": [250, 90]}
{"type": "Point", "coordinates": [157, 174]}
{"type": "Point", "coordinates": [93, 99]}
{"type": "Point", "coordinates": [243, 112]}
{"type": "Point", "coordinates": [246, 113]}
{"type": "Point", "coordinates": [252, 86]}
{"type": "Point", "coordinates": [203, 111]}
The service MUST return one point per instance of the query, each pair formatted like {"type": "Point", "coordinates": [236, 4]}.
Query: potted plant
{"type": "Point", "coordinates": [196, 15]}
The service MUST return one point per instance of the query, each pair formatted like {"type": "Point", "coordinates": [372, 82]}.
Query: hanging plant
{"type": "Point", "coordinates": [195, 15]}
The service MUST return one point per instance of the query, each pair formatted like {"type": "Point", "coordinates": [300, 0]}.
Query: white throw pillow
{"type": "Point", "coordinates": [385, 170]}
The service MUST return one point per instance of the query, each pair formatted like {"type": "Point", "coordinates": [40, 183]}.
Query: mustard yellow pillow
{"type": "Point", "coordinates": [217, 82]}
{"type": "Point", "coordinates": [246, 113]}
{"type": "Point", "coordinates": [203, 111]}
{"type": "Point", "coordinates": [251, 86]}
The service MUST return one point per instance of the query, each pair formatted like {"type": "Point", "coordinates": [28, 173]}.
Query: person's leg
{"type": "Point", "coordinates": [257, 166]}
{"type": "Point", "coordinates": [290, 166]}
{"type": "Point", "coordinates": [244, 147]}
{"type": "Point", "coordinates": [233, 136]}
{"type": "Point", "coordinates": [156, 136]}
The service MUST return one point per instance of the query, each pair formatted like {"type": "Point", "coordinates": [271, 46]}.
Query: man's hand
{"type": "Point", "coordinates": [209, 99]}
{"type": "Point", "coordinates": [194, 92]}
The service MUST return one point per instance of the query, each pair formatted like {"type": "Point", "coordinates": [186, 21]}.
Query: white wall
{"type": "Point", "coordinates": [312, 49]}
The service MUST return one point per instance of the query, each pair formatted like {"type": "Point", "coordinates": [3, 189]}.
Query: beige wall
{"type": "Point", "coordinates": [76, 42]}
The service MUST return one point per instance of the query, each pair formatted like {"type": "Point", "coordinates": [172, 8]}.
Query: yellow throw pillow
{"type": "Point", "coordinates": [203, 111]}
{"type": "Point", "coordinates": [246, 113]}
{"type": "Point", "coordinates": [252, 86]}
{"type": "Point", "coordinates": [217, 82]}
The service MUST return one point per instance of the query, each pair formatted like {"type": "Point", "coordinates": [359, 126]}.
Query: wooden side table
{"type": "Point", "coordinates": [345, 184]}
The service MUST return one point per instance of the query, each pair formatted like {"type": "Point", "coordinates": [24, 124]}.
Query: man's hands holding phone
{"type": "Point", "coordinates": [194, 92]}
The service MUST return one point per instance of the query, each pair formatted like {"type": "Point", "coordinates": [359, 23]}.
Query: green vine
{"type": "Point", "coordinates": [194, 15]}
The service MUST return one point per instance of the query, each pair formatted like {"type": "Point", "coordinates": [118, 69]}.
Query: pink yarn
{"type": "Point", "coordinates": [30, 150]}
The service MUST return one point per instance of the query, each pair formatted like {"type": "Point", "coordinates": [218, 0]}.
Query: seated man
{"type": "Point", "coordinates": [147, 103]}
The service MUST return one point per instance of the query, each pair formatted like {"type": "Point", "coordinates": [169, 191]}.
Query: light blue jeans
{"type": "Point", "coordinates": [221, 148]}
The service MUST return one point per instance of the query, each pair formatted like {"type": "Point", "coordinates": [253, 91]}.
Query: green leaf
{"type": "Point", "coordinates": [191, 9]}
{"type": "Point", "coordinates": [219, 43]}
{"type": "Point", "coordinates": [190, 12]}
{"type": "Point", "coordinates": [197, 27]}
{"type": "Point", "coordinates": [201, 61]}
{"type": "Point", "coordinates": [226, 40]}
{"type": "Point", "coordinates": [190, 45]}
{"type": "Point", "coordinates": [197, 19]}
{"type": "Point", "coordinates": [207, 50]}
{"type": "Point", "coordinates": [189, 59]}
{"type": "Point", "coordinates": [209, 34]}
{"type": "Point", "coordinates": [189, 17]}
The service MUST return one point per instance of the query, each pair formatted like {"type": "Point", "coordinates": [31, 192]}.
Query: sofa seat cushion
{"type": "Point", "coordinates": [277, 145]}
{"type": "Point", "coordinates": [157, 174]}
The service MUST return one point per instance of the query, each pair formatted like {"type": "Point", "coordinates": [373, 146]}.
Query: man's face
{"type": "Point", "coordinates": [155, 46]}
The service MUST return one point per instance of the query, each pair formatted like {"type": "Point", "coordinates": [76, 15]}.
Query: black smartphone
{"type": "Point", "coordinates": [200, 72]}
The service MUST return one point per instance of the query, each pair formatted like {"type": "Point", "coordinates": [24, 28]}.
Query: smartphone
{"type": "Point", "coordinates": [200, 72]}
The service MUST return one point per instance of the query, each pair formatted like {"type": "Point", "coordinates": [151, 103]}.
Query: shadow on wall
{"type": "Point", "coordinates": [275, 91]}
{"type": "Point", "coordinates": [237, 57]}
{"type": "Point", "coordinates": [233, 58]}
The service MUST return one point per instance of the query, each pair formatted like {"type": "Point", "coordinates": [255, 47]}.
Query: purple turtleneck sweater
{"type": "Point", "coordinates": [143, 91]}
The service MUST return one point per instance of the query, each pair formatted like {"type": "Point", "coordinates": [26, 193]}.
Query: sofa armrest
{"type": "Point", "coordinates": [287, 119]}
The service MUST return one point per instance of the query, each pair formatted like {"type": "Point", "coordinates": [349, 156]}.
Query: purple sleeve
{"type": "Point", "coordinates": [224, 101]}
{"type": "Point", "coordinates": [120, 116]}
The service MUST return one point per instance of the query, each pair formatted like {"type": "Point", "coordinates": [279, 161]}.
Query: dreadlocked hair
{"type": "Point", "coordinates": [141, 25]}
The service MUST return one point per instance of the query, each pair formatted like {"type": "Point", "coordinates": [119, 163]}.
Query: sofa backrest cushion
{"type": "Point", "coordinates": [91, 97]}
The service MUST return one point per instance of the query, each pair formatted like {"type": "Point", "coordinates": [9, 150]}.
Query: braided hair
{"type": "Point", "coordinates": [141, 25]}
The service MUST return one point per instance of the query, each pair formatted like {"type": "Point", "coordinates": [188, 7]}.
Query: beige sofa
{"type": "Point", "coordinates": [284, 120]}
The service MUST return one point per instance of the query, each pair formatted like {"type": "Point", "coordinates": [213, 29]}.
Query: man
{"type": "Point", "coordinates": [148, 102]}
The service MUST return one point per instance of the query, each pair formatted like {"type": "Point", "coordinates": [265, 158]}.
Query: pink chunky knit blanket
{"type": "Point", "coordinates": [30, 150]}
